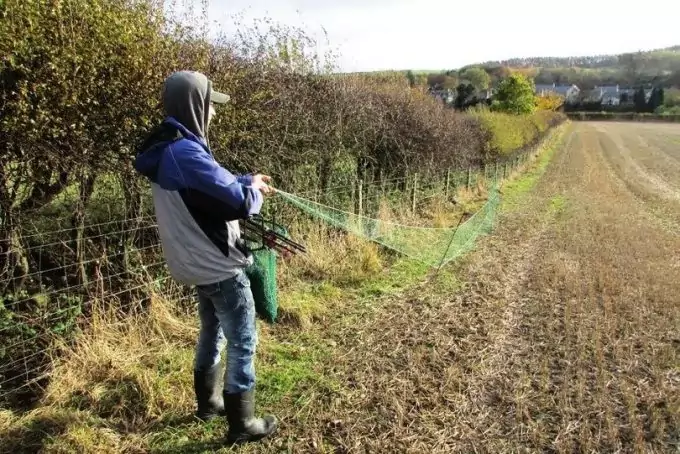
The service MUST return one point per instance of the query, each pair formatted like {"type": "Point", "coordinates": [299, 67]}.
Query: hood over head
{"type": "Point", "coordinates": [187, 96]}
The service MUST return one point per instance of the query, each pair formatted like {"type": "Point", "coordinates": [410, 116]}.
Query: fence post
{"type": "Point", "coordinates": [353, 202]}
{"type": "Point", "coordinates": [415, 189]}
{"type": "Point", "coordinates": [495, 172]}
{"type": "Point", "coordinates": [469, 178]}
{"type": "Point", "coordinates": [382, 184]}
{"type": "Point", "coordinates": [448, 181]}
{"type": "Point", "coordinates": [360, 197]}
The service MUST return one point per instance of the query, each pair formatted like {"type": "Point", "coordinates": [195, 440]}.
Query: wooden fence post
{"type": "Point", "coordinates": [415, 189]}
{"type": "Point", "coordinates": [448, 181]}
{"type": "Point", "coordinates": [469, 178]}
{"type": "Point", "coordinates": [353, 202]}
{"type": "Point", "coordinates": [360, 196]}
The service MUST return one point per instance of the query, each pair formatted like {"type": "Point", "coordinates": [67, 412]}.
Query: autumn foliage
{"type": "Point", "coordinates": [551, 101]}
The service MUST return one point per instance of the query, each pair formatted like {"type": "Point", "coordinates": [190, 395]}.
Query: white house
{"type": "Point", "coordinates": [613, 95]}
{"type": "Point", "coordinates": [610, 95]}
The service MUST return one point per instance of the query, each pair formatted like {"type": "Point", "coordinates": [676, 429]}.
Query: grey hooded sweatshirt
{"type": "Point", "coordinates": [197, 202]}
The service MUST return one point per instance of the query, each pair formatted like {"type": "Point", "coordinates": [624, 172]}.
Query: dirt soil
{"type": "Point", "coordinates": [565, 336]}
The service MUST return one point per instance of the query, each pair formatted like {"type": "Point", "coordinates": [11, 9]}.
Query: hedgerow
{"type": "Point", "coordinates": [80, 83]}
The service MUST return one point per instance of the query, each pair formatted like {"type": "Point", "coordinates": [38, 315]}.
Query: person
{"type": "Point", "coordinates": [198, 204]}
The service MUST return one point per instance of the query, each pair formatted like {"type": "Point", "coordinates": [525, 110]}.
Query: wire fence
{"type": "Point", "coordinates": [53, 275]}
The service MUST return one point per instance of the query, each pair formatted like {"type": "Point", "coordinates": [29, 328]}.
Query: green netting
{"type": "Point", "coordinates": [433, 246]}
{"type": "Point", "coordinates": [262, 275]}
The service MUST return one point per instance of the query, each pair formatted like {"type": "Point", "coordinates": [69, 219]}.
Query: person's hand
{"type": "Point", "coordinates": [261, 182]}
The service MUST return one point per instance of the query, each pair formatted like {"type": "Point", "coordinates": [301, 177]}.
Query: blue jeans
{"type": "Point", "coordinates": [227, 314]}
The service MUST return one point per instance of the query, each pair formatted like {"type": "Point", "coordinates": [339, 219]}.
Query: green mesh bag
{"type": "Point", "coordinates": [262, 275]}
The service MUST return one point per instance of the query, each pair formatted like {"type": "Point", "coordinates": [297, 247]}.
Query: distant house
{"type": "Point", "coordinates": [569, 92]}
{"type": "Point", "coordinates": [627, 96]}
{"type": "Point", "coordinates": [485, 95]}
{"type": "Point", "coordinates": [447, 96]}
{"type": "Point", "coordinates": [648, 94]}
{"type": "Point", "coordinates": [610, 95]}
{"type": "Point", "coordinates": [614, 95]}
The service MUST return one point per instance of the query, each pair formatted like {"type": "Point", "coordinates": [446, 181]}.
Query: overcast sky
{"type": "Point", "coordinates": [446, 34]}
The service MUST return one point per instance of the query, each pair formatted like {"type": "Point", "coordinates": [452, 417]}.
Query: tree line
{"type": "Point", "coordinates": [657, 68]}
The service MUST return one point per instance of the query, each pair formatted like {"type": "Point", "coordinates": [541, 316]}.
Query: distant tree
{"type": "Point", "coordinates": [436, 80]}
{"type": "Point", "coordinates": [498, 73]}
{"type": "Point", "coordinates": [671, 97]}
{"type": "Point", "coordinates": [545, 77]}
{"type": "Point", "coordinates": [464, 94]}
{"type": "Point", "coordinates": [529, 72]}
{"type": "Point", "coordinates": [639, 100]}
{"type": "Point", "coordinates": [631, 64]}
{"type": "Point", "coordinates": [478, 77]}
{"type": "Point", "coordinates": [624, 98]}
{"type": "Point", "coordinates": [656, 99]}
{"type": "Point", "coordinates": [441, 81]}
{"type": "Point", "coordinates": [515, 95]}
{"type": "Point", "coordinates": [674, 79]}
{"type": "Point", "coordinates": [504, 72]}
{"type": "Point", "coordinates": [657, 67]}
{"type": "Point", "coordinates": [420, 81]}
{"type": "Point", "coordinates": [411, 78]}
{"type": "Point", "coordinates": [450, 82]}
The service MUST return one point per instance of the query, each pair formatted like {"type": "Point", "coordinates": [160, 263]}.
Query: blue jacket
{"type": "Point", "coordinates": [197, 204]}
